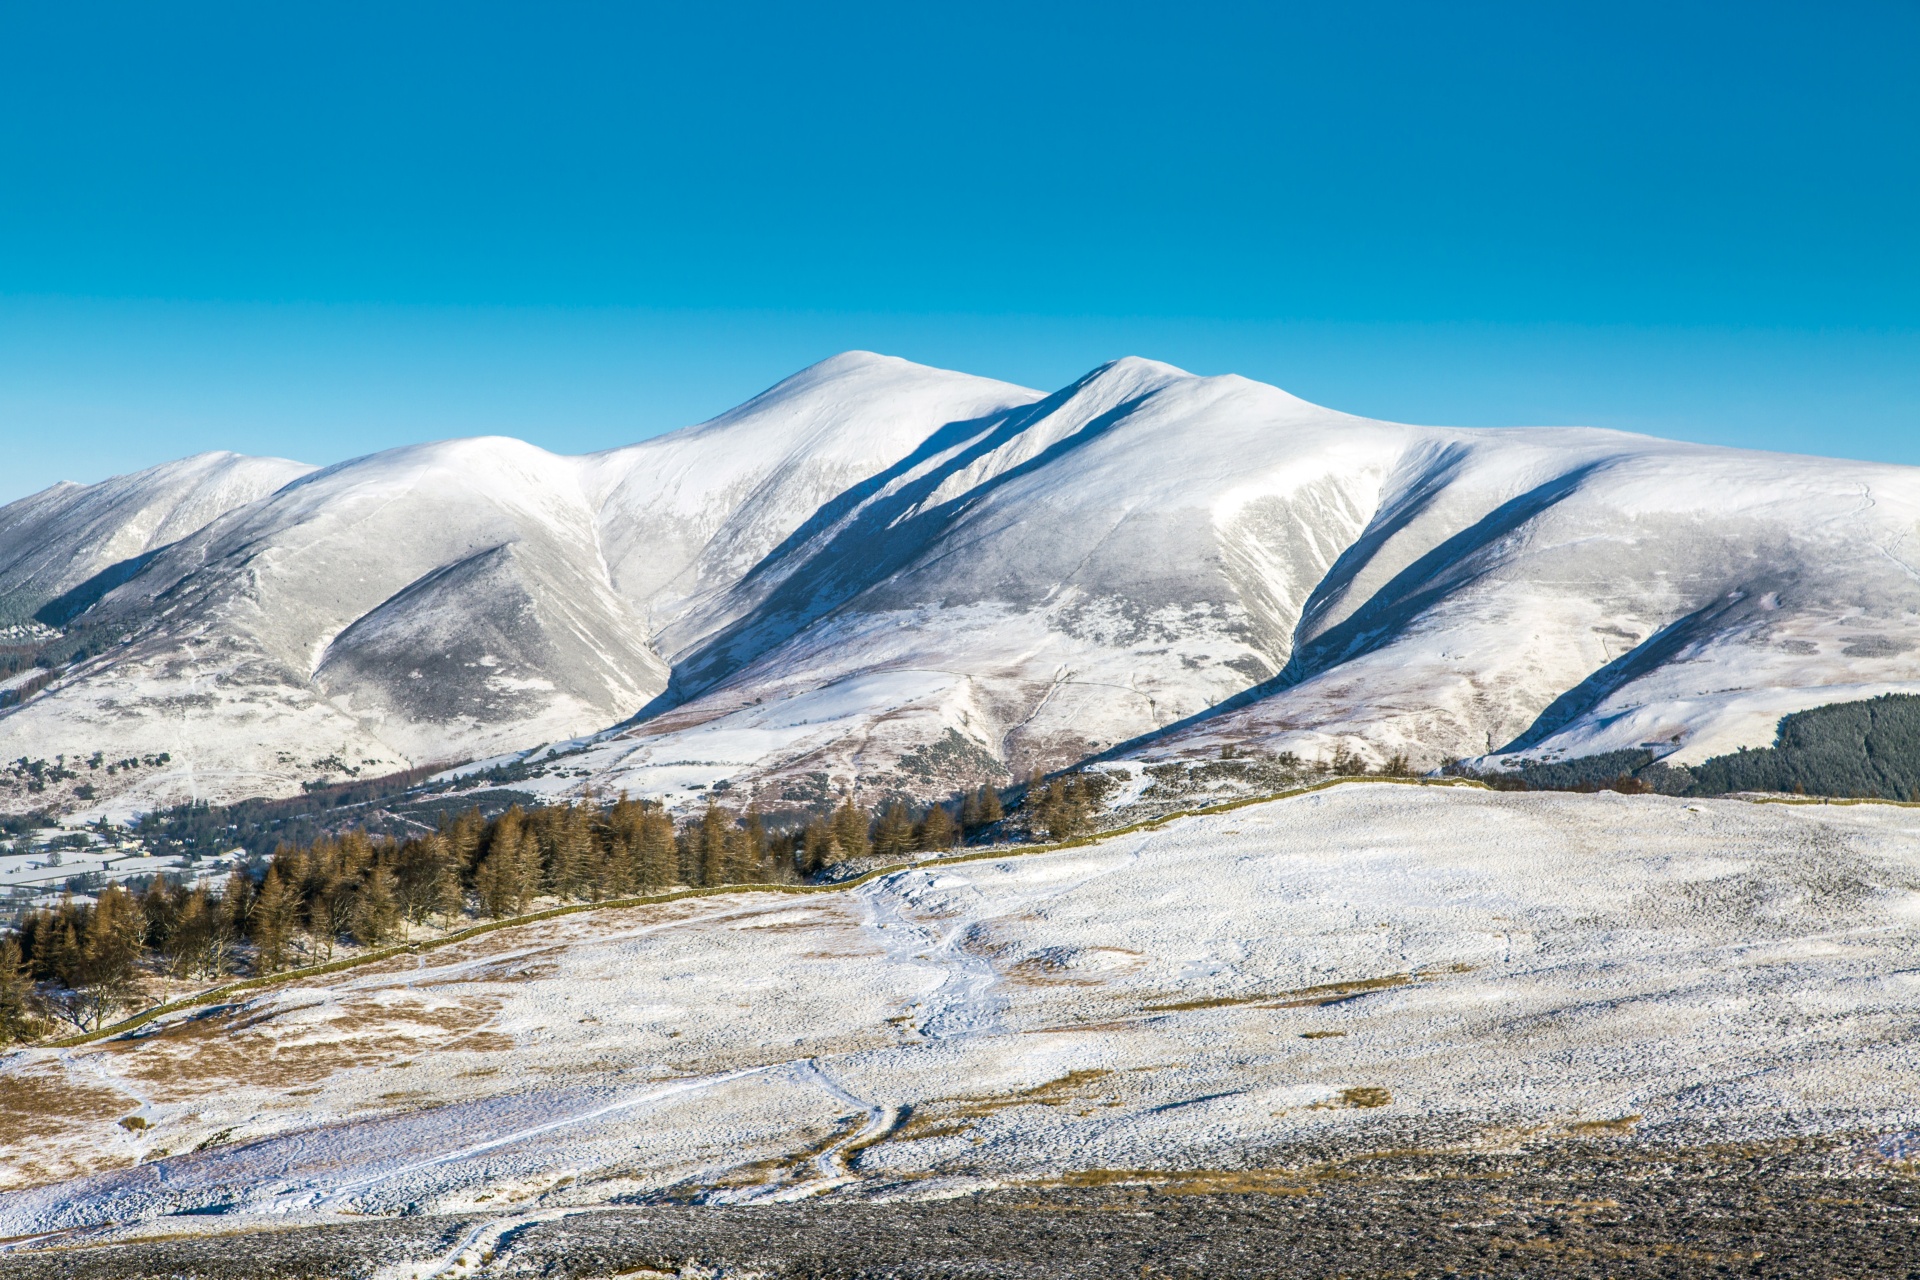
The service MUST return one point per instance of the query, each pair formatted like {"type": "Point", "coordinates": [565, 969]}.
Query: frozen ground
{"type": "Point", "coordinates": [1371, 967]}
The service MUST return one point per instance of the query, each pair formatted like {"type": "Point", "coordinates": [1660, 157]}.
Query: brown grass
{"type": "Point", "coordinates": [1620, 1124]}
{"type": "Point", "coordinates": [1326, 993]}
{"type": "Point", "coordinates": [184, 1059]}
{"type": "Point", "coordinates": [43, 1122]}
{"type": "Point", "coordinates": [45, 1104]}
{"type": "Point", "coordinates": [950, 1117]}
{"type": "Point", "coordinates": [1299, 998]}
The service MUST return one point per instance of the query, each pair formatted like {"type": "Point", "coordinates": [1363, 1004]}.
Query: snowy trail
{"type": "Point", "coordinates": [473, 1251]}
{"type": "Point", "coordinates": [965, 1003]}
{"type": "Point", "coordinates": [220, 1188]}
{"type": "Point", "coordinates": [830, 1167]}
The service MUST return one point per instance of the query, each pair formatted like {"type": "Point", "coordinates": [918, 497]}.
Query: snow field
{"type": "Point", "coordinates": [1370, 966]}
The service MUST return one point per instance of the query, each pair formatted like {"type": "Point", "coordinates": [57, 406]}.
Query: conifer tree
{"type": "Point", "coordinates": [739, 855]}
{"type": "Point", "coordinates": [238, 897]}
{"type": "Point", "coordinates": [159, 910]}
{"type": "Point", "coordinates": [465, 834]}
{"type": "Point", "coordinates": [1060, 807]}
{"type": "Point", "coordinates": [710, 842]}
{"type": "Point", "coordinates": [658, 855]}
{"type": "Point", "coordinates": [850, 830]}
{"type": "Point", "coordinates": [493, 880]}
{"type": "Point", "coordinates": [57, 941]}
{"type": "Point", "coordinates": [376, 912]}
{"type": "Point", "coordinates": [526, 871]}
{"type": "Point", "coordinates": [937, 832]}
{"type": "Point", "coordinates": [513, 856]}
{"type": "Point", "coordinates": [17, 1018]}
{"type": "Point", "coordinates": [413, 867]}
{"type": "Point", "coordinates": [509, 876]}
{"type": "Point", "coordinates": [786, 852]}
{"type": "Point", "coordinates": [448, 895]}
{"type": "Point", "coordinates": [329, 905]}
{"type": "Point", "coordinates": [570, 856]}
{"type": "Point", "coordinates": [754, 834]}
{"type": "Point", "coordinates": [105, 976]}
{"type": "Point", "coordinates": [818, 848]}
{"type": "Point", "coordinates": [201, 939]}
{"type": "Point", "coordinates": [276, 913]}
{"type": "Point", "coordinates": [893, 833]}
{"type": "Point", "coordinates": [618, 871]}
{"type": "Point", "coordinates": [981, 808]}
{"type": "Point", "coordinates": [356, 853]}
{"type": "Point", "coordinates": [291, 862]}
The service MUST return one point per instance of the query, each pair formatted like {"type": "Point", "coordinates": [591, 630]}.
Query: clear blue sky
{"type": "Point", "coordinates": [317, 230]}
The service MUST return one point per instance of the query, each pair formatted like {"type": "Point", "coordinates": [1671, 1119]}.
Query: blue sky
{"type": "Point", "coordinates": [317, 230]}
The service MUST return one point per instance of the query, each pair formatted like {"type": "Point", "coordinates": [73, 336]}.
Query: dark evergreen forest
{"type": "Point", "coordinates": [1844, 750]}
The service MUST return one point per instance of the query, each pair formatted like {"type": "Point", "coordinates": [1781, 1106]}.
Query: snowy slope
{"type": "Point", "coordinates": [880, 578]}
{"type": "Point", "coordinates": [1085, 570]}
{"type": "Point", "coordinates": [449, 600]}
{"type": "Point", "coordinates": [1111, 565]}
{"type": "Point", "coordinates": [1371, 968]}
{"type": "Point", "coordinates": [1562, 593]}
{"type": "Point", "coordinates": [70, 535]}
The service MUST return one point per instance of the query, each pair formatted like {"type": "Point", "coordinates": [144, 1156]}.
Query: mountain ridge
{"type": "Point", "coordinates": [877, 578]}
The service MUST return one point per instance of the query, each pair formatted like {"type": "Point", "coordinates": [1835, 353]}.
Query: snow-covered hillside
{"type": "Point", "coordinates": [884, 578]}
{"type": "Point", "coordinates": [1371, 968]}
{"type": "Point", "coordinates": [445, 601]}
{"type": "Point", "coordinates": [97, 536]}
{"type": "Point", "coordinates": [1114, 563]}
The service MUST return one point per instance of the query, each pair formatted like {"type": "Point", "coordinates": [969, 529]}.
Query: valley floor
{"type": "Point", "coordinates": [1643, 988]}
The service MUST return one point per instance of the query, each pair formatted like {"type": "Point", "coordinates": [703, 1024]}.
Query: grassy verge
{"type": "Point", "coordinates": [1843, 800]}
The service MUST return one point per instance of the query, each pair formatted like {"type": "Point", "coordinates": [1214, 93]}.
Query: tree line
{"type": "Point", "coordinates": [80, 962]}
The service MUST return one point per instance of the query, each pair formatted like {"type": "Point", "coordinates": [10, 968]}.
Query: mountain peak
{"type": "Point", "coordinates": [1140, 367]}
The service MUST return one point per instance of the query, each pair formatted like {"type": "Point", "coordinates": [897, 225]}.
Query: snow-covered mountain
{"type": "Point", "coordinates": [449, 600]}
{"type": "Point", "coordinates": [1176, 564]}
{"type": "Point", "coordinates": [882, 577]}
